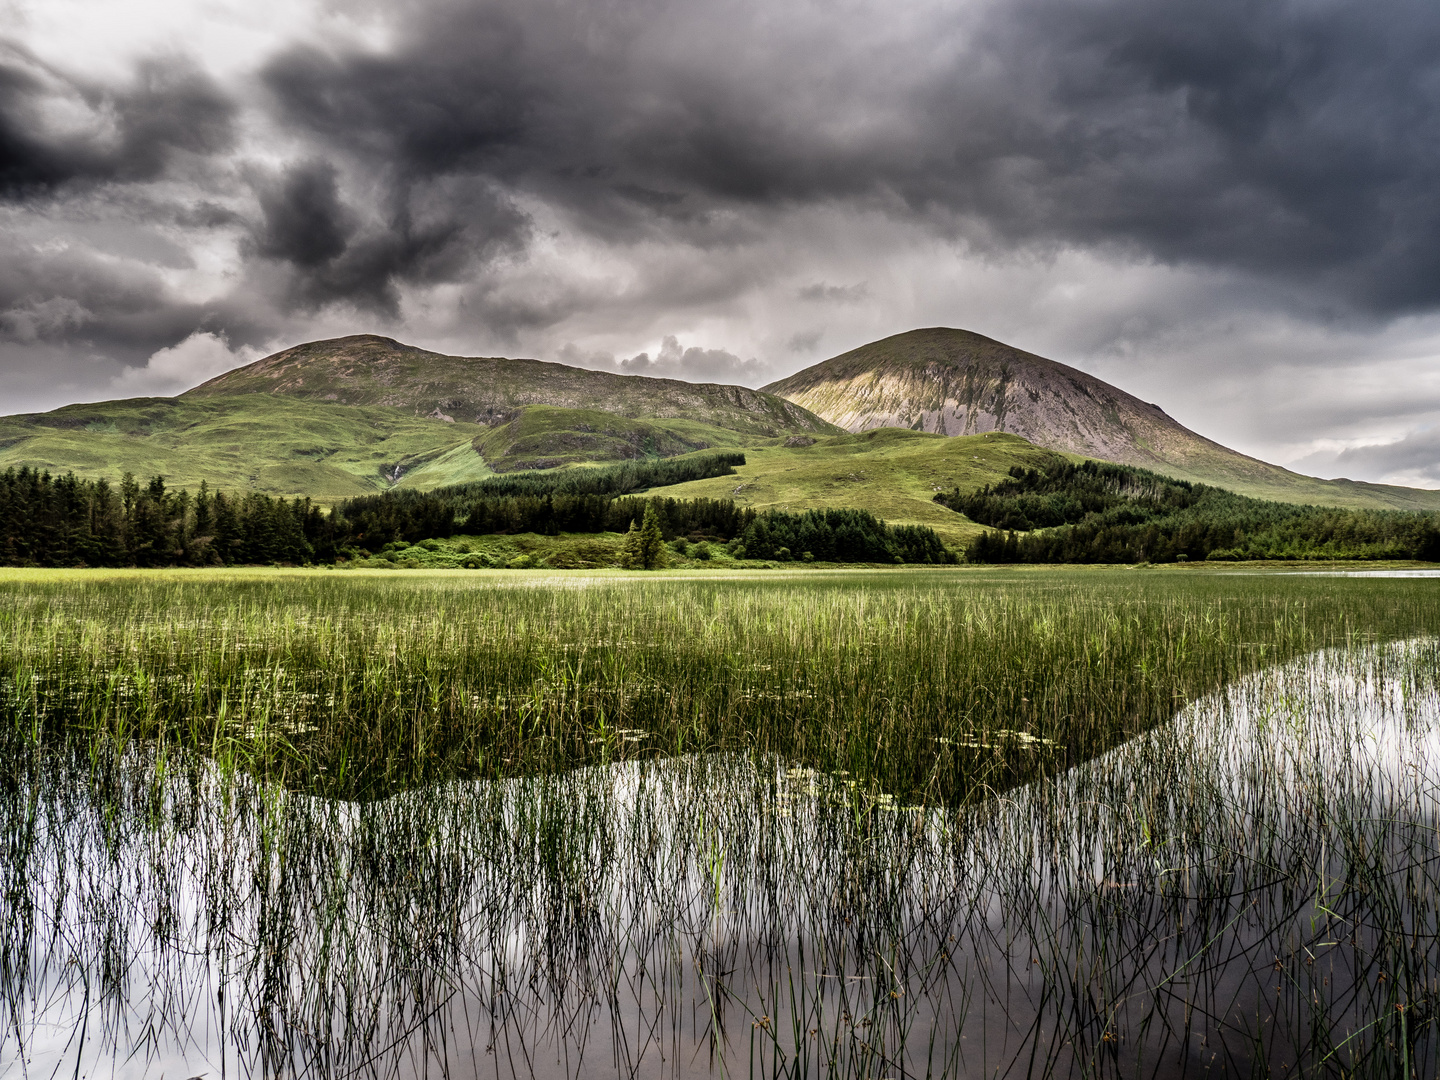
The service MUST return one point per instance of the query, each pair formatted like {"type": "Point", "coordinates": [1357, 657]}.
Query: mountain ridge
{"type": "Point", "coordinates": [368, 369]}
{"type": "Point", "coordinates": [364, 413]}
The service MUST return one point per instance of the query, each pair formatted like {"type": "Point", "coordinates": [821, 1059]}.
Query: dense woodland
{"type": "Point", "coordinates": [66, 521]}
{"type": "Point", "coordinates": [567, 500]}
{"type": "Point", "coordinates": [1100, 513]}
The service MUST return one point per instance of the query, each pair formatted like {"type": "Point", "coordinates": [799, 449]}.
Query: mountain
{"type": "Point", "coordinates": [356, 415]}
{"type": "Point", "coordinates": [490, 390]}
{"type": "Point", "coordinates": [954, 382]}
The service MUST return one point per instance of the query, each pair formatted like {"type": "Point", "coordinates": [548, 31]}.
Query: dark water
{"type": "Point", "coordinates": [1252, 889]}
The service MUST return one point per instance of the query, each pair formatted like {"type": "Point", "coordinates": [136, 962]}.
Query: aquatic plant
{"type": "Point", "coordinates": [843, 825]}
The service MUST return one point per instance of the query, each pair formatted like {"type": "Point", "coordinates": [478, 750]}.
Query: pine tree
{"type": "Point", "coordinates": [630, 554]}
{"type": "Point", "coordinates": [652, 542]}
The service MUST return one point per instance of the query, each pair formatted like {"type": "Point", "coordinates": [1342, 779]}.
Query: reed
{"type": "Point", "coordinates": [911, 823]}
{"type": "Point", "coordinates": [932, 686]}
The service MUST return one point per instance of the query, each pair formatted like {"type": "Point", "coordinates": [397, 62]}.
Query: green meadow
{"type": "Point", "coordinates": [703, 822]}
{"type": "Point", "coordinates": [892, 472]}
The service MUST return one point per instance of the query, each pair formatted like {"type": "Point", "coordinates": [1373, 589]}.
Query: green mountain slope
{"type": "Point", "coordinates": [354, 415]}
{"type": "Point", "coordinates": [954, 382]}
{"type": "Point", "coordinates": [893, 473]}
{"type": "Point", "coordinates": [277, 445]}
{"type": "Point", "coordinates": [544, 436]}
{"type": "Point", "coordinates": [371, 370]}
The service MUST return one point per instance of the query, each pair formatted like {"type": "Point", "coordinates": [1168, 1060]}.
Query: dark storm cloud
{"type": "Point", "coordinates": [432, 231]}
{"type": "Point", "coordinates": [76, 298]}
{"type": "Point", "coordinates": [685, 149]}
{"type": "Point", "coordinates": [133, 132]}
{"type": "Point", "coordinates": [1293, 139]}
{"type": "Point", "coordinates": [1284, 138]}
{"type": "Point", "coordinates": [454, 96]}
{"type": "Point", "coordinates": [304, 221]}
{"type": "Point", "coordinates": [425, 128]}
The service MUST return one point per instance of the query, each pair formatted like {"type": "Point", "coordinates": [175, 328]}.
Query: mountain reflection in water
{"type": "Point", "coordinates": [1251, 888]}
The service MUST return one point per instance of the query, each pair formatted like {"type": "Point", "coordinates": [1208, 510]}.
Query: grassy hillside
{"type": "Point", "coordinates": [892, 472]}
{"type": "Point", "coordinates": [356, 415]}
{"type": "Point", "coordinates": [370, 370]}
{"type": "Point", "coordinates": [954, 382]}
{"type": "Point", "coordinates": [283, 445]}
{"type": "Point", "coordinates": [276, 445]}
{"type": "Point", "coordinates": [544, 436]}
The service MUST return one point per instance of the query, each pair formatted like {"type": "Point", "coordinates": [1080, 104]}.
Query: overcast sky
{"type": "Point", "coordinates": [1229, 207]}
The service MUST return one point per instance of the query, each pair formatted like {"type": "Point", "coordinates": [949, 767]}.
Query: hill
{"type": "Point", "coordinates": [893, 473]}
{"type": "Point", "coordinates": [489, 390]}
{"type": "Point", "coordinates": [354, 415]}
{"type": "Point", "coordinates": [276, 445]}
{"type": "Point", "coordinates": [1099, 512]}
{"type": "Point", "coordinates": [954, 382]}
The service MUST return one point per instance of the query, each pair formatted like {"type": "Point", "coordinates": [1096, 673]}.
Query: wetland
{"type": "Point", "coordinates": [924, 822]}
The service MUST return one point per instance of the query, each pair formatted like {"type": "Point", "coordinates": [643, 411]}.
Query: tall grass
{"type": "Point", "coordinates": [933, 687]}
{"type": "Point", "coordinates": [885, 825]}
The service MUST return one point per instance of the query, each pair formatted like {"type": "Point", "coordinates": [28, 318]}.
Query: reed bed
{"type": "Point", "coordinates": [934, 824]}
{"type": "Point", "coordinates": [934, 687]}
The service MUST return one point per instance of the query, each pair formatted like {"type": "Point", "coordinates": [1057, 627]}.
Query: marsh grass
{"type": "Point", "coordinates": [838, 825]}
{"type": "Point", "coordinates": [359, 685]}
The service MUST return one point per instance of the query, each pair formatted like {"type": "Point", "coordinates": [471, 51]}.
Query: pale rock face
{"type": "Point", "coordinates": [953, 382]}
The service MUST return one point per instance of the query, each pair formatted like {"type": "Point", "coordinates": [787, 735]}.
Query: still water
{"type": "Point", "coordinates": [1251, 888]}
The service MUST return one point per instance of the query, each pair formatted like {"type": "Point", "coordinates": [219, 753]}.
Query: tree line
{"type": "Point", "coordinates": [840, 536]}
{"type": "Point", "coordinates": [585, 499]}
{"type": "Point", "coordinates": [66, 521]}
{"type": "Point", "coordinates": [1092, 512]}
{"type": "Point", "coordinates": [624, 478]}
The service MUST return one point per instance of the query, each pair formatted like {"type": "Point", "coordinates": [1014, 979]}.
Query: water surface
{"type": "Point", "coordinates": [1252, 887]}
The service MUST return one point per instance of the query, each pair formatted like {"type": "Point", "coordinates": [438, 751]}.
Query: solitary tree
{"type": "Point", "coordinates": [645, 546]}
